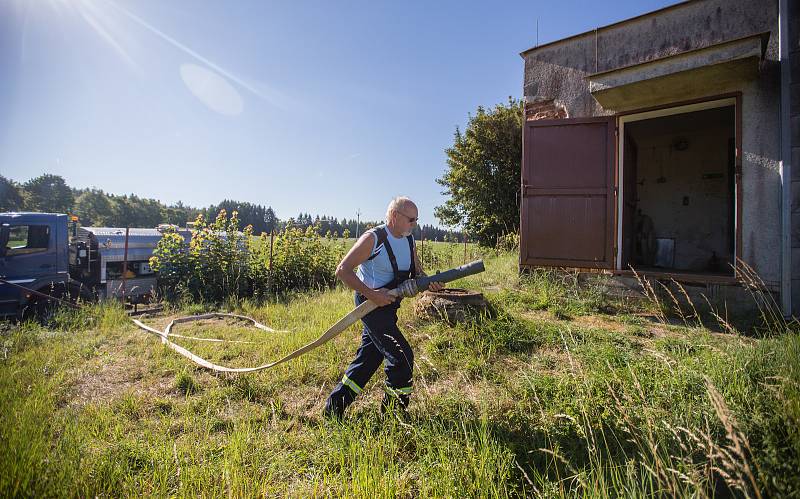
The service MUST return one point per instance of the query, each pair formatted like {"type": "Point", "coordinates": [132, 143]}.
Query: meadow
{"type": "Point", "coordinates": [558, 391]}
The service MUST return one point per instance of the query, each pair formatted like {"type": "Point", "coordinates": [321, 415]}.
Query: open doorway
{"type": "Point", "coordinates": [678, 190]}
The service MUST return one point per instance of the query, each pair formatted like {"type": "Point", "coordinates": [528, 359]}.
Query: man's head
{"type": "Point", "coordinates": [402, 215]}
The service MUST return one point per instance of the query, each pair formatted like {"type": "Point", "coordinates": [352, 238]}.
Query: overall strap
{"type": "Point", "coordinates": [381, 233]}
{"type": "Point", "coordinates": [412, 270]}
{"type": "Point", "coordinates": [392, 259]}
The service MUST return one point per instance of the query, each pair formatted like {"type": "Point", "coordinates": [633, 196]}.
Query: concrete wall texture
{"type": "Point", "coordinates": [558, 72]}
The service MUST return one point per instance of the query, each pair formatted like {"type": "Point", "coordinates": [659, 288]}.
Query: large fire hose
{"type": "Point", "coordinates": [407, 289]}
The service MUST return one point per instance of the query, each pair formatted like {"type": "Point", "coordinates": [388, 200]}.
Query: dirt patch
{"type": "Point", "coordinates": [476, 392]}
{"type": "Point", "coordinates": [307, 400]}
{"type": "Point", "coordinates": [112, 377]}
{"type": "Point", "coordinates": [544, 361]}
{"type": "Point", "coordinates": [538, 315]}
{"type": "Point", "coordinates": [583, 321]}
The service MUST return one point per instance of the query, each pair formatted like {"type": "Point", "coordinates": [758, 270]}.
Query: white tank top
{"type": "Point", "coordinates": [377, 273]}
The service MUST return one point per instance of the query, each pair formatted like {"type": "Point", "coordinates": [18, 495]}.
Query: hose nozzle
{"type": "Point", "coordinates": [413, 286]}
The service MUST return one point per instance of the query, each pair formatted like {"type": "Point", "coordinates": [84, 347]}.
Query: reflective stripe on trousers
{"type": "Point", "coordinates": [381, 341]}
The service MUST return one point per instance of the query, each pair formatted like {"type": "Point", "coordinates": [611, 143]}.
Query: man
{"type": "Point", "coordinates": [386, 256]}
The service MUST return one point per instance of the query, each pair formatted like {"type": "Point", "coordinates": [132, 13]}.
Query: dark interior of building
{"type": "Point", "coordinates": [679, 192]}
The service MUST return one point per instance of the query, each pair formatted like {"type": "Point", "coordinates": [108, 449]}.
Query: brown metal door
{"type": "Point", "coordinates": [567, 213]}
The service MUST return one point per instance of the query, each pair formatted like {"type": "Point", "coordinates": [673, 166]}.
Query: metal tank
{"type": "Point", "coordinates": [97, 256]}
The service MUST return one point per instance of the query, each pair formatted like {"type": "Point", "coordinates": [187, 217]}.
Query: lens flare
{"type": "Point", "coordinates": [212, 89]}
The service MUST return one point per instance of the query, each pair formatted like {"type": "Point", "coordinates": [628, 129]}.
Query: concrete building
{"type": "Point", "coordinates": [664, 143]}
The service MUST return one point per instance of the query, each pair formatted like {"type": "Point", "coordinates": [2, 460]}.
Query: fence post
{"type": "Point", "coordinates": [125, 265]}
{"type": "Point", "coordinates": [271, 236]}
{"type": "Point", "coordinates": [465, 248]}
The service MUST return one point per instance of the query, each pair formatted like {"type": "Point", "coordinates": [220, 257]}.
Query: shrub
{"type": "Point", "coordinates": [508, 242]}
{"type": "Point", "coordinates": [221, 262]}
{"type": "Point", "coordinates": [171, 260]}
{"type": "Point", "coordinates": [301, 260]}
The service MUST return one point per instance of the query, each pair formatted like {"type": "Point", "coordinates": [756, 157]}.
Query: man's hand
{"type": "Point", "coordinates": [435, 286]}
{"type": "Point", "coordinates": [381, 297]}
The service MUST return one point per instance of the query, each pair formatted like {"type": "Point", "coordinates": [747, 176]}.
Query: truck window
{"type": "Point", "coordinates": [27, 239]}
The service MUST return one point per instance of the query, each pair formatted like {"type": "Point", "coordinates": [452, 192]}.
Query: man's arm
{"type": "Point", "coordinates": [355, 257]}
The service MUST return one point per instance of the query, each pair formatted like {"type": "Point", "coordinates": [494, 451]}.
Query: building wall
{"type": "Point", "coordinates": [557, 73]}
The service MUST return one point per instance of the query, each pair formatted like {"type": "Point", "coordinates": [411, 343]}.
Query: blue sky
{"type": "Point", "coordinates": [312, 106]}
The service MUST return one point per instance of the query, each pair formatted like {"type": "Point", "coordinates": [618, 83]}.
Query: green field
{"type": "Point", "coordinates": [561, 392]}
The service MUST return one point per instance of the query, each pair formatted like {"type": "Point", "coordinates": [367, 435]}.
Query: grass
{"type": "Point", "coordinates": [561, 391]}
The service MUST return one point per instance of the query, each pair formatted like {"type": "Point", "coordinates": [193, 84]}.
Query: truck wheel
{"type": "Point", "coordinates": [81, 294]}
{"type": "Point", "coordinates": [44, 309]}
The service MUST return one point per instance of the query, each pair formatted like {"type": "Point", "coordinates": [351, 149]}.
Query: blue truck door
{"type": "Point", "coordinates": [8, 295]}
{"type": "Point", "coordinates": [30, 255]}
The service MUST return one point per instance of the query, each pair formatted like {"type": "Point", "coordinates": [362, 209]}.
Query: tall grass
{"type": "Point", "coordinates": [562, 391]}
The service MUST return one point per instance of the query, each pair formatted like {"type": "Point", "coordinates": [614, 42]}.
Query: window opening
{"type": "Point", "coordinates": [27, 239]}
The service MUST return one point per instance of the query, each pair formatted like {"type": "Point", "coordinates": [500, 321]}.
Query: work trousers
{"type": "Point", "coordinates": [381, 341]}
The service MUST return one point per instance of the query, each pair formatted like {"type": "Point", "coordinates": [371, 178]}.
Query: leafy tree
{"type": "Point", "coordinates": [178, 214]}
{"type": "Point", "coordinates": [47, 193]}
{"type": "Point", "coordinates": [93, 207]}
{"type": "Point", "coordinates": [270, 220]}
{"type": "Point", "coordinates": [10, 197]}
{"type": "Point", "coordinates": [133, 211]}
{"type": "Point", "coordinates": [483, 174]}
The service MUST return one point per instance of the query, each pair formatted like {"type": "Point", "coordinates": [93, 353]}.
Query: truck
{"type": "Point", "coordinates": [50, 254]}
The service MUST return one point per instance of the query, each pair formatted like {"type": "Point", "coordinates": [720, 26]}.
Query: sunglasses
{"type": "Point", "coordinates": [411, 220]}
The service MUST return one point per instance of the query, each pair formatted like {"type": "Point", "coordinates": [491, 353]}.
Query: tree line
{"type": "Point", "coordinates": [355, 227]}
{"type": "Point", "coordinates": [481, 181]}
{"type": "Point", "coordinates": [50, 193]}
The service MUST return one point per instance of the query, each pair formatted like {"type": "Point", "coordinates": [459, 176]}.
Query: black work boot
{"type": "Point", "coordinates": [338, 400]}
{"type": "Point", "coordinates": [334, 408]}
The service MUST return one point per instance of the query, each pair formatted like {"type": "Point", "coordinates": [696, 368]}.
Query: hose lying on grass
{"type": "Point", "coordinates": [407, 289]}
{"type": "Point", "coordinates": [212, 315]}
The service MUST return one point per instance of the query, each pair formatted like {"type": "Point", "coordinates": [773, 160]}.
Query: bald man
{"type": "Point", "coordinates": [385, 256]}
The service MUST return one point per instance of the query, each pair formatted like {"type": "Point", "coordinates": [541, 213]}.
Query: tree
{"type": "Point", "coordinates": [47, 193]}
{"type": "Point", "coordinates": [133, 211]}
{"type": "Point", "coordinates": [483, 174]}
{"type": "Point", "coordinates": [178, 214]}
{"type": "Point", "coordinates": [270, 220]}
{"type": "Point", "coordinates": [262, 219]}
{"type": "Point", "coordinates": [93, 208]}
{"type": "Point", "coordinates": [10, 197]}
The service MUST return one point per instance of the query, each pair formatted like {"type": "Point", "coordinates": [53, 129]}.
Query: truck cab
{"type": "Point", "coordinates": [33, 254]}
{"type": "Point", "coordinates": [46, 253]}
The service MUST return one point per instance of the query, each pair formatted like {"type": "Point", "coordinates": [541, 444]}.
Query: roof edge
{"type": "Point", "coordinates": [764, 36]}
{"type": "Point", "coordinates": [607, 26]}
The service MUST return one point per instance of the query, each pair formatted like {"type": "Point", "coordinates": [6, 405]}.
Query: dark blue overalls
{"type": "Point", "coordinates": [381, 341]}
